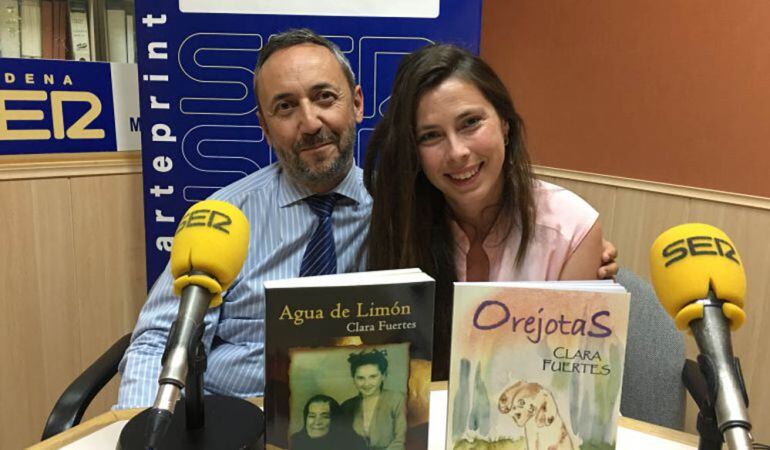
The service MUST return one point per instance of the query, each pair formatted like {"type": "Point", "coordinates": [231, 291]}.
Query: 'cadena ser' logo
{"type": "Point", "coordinates": [53, 106]}
{"type": "Point", "coordinates": [698, 246]}
{"type": "Point", "coordinates": [205, 218]}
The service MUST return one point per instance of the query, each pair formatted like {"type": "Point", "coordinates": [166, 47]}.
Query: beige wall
{"type": "Point", "coordinates": [675, 91]}
{"type": "Point", "coordinates": [72, 255]}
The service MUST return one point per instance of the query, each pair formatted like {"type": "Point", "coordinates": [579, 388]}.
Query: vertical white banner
{"type": "Point", "coordinates": [125, 97]}
{"type": "Point", "coordinates": [340, 8]}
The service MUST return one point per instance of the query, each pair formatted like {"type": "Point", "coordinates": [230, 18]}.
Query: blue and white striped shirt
{"type": "Point", "coordinates": [281, 226]}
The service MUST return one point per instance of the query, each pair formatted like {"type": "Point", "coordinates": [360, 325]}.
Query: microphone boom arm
{"type": "Point", "coordinates": [195, 302]}
{"type": "Point", "coordinates": [722, 373]}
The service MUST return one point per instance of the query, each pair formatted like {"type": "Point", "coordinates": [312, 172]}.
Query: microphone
{"type": "Point", "coordinates": [207, 254]}
{"type": "Point", "coordinates": [699, 278]}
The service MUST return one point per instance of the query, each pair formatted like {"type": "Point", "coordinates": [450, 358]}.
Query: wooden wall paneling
{"type": "Point", "coordinates": [68, 165]}
{"type": "Point", "coordinates": [56, 285]}
{"type": "Point", "coordinates": [109, 263]}
{"type": "Point", "coordinates": [747, 227]}
{"type": "Point", "coordinates": [20, 331]}
{"type": "Point", "coordinates": [639, 217]}
{"type": "Point", "coordinates": [40, 326]}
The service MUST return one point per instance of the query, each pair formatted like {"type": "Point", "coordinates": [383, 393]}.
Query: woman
{"type": "Point", "coordinates": [378, 415]}
{"type": "Point", "coordinates": [324, 428]}
{"type": "Point", "coordinates": [454, 193]}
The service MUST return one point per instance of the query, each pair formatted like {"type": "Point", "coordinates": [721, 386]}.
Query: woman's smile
{"type": "Point", "coordinates": [465, 176]}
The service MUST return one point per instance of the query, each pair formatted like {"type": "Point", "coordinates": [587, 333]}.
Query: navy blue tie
{"type": "Point", "coordinates": [320, 257]}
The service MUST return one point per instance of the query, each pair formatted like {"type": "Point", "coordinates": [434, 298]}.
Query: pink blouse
{"type": "Point", "coordinates": [563, 220]}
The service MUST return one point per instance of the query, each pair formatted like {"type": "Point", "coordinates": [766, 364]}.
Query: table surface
{"type": "Point", "coordinates": [632, 434]}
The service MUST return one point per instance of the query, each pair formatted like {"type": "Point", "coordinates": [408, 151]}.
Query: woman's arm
{"type": "Point", "coordinates": [585, 261]}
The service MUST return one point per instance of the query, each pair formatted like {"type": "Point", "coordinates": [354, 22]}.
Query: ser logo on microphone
{"type": "Point", "coordinates": [698, 246]}
{"type": "Point", "coordinates": [205, 218]}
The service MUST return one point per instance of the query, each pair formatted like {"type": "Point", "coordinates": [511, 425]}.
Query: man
{"type": "Point", "coordinates": [309, 106]}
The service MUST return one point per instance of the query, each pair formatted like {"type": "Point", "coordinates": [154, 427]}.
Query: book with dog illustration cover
{"type": "Point", "coordinates": [348, 361]}
{"type": "Point", "coordinates": [536, 365]}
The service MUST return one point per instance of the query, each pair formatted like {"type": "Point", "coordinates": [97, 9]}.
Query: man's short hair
{"type": "Point", "coordinates": [301, 36]}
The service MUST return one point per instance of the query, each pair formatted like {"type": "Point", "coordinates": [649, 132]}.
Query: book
{"type": "Point", "coordinates": [53, 29]}
{"type": "Point", "coordinates": [79, 33]}
{"type": "Point", "coordinates": [31, 31]}
{"type": "Point", "coordinates": [60, 29]}
{"type": "Point", "coordinates": [46, 28]}
{"type": "Point", "coordinates": [348, 360]}
{"type": "Point", "coordinates": [10, 29]}
{"type": "Point", "coordinates": [536, 365]}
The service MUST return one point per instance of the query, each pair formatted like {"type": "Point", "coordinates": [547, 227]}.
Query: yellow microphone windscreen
{"type": "Point", "coordinates": [212, 237]}
{"type": "Point", "coordinates": [688, 260]}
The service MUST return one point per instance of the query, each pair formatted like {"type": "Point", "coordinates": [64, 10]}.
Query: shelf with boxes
{"type": "Point", "coordinates": [82, 30]}
{"type": "Point", "coordinates": [68, 77]}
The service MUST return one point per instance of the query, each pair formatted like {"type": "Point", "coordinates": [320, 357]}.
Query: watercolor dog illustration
{"type": "Point", "coordinates": [533, 407]}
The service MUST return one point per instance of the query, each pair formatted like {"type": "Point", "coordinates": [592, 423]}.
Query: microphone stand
{"type": "Point", "coordinates": [695, 382]}
{"type": "Point", "coordinates": [703, 382]}
{"type": "Point", "coordinates": [233, 423]}
{"type": "Point", "coordinates": [194, 389]}
{"type": "Point", "coordinates": [722, 372]}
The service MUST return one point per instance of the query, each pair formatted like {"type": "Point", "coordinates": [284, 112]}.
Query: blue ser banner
{"type": "Point", "coordinates": [52, 106]}
{"type": "Point", "coordinates": [196, 64]}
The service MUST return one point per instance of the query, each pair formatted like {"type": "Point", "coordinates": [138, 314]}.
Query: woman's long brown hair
{"type": "Point", "coordinates": [409, 226]}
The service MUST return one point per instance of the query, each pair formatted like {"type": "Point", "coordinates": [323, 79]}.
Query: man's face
{"type": "Point", "coordinates": [318, 419]}
{"type": "Point", "coordinates": [309, 114]}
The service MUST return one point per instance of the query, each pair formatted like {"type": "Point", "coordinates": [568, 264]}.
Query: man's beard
{"type": "Point", "coordinates": [334, 169]}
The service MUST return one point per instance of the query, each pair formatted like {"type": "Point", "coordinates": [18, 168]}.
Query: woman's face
{"type": "Point", "coordinates": [368, 380]}
{"type": "Point", "coordinates": [318, 419]}
{"type": "Point", "coordinates": [461, 143]}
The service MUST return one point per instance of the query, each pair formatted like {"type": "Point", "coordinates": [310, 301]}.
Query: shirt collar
{"type": "Point", "coordinates": [494, 238]}
{"type": "Point", "coordinates": [350, 187]}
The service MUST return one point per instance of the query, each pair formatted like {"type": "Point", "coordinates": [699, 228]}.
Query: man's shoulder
{"type": "Point", "coordinates": [352, 186]}
{"type": "Point", "coordinates": [257, 183]}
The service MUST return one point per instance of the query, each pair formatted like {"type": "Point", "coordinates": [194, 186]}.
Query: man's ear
{"type": "Point", "coordinates": [358, 103]}
{"type": "Point", "coordinates": [263, 125]}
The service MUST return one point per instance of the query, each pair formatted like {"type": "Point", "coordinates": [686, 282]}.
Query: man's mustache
{"type": "Point", "coordinates": [315, 140]}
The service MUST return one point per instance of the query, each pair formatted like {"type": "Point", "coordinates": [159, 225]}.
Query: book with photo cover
{"type": "Point", "coordinates": [348, 361]}
{"type": "Point", "coordinates": [536, 365]}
